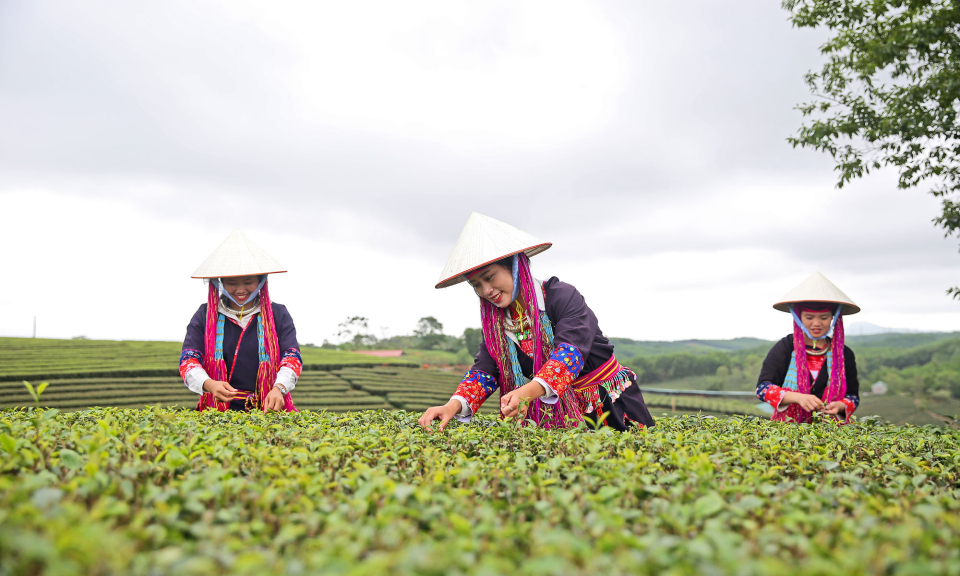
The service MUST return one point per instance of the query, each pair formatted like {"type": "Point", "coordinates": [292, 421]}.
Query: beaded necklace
{"type": "Point", "coordinates": [520, 324]}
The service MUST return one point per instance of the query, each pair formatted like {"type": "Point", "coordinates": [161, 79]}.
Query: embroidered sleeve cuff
{"type": "Point", "coordinates": [475, 388]}
{"type": "Point", "coordinates": [291, 359]}
{"type": "Point", "coordinates": [850, 404]}
{"type": "Point", "coordinates": [772, 395]}
{"type": "Point", "coordinates": [287, 377]}
{"type": "Point", "coordinates": [563, 367]}
{"type": "Point", "coordinates": [195, 378]}
{"type": "Point", "coordinates": [189, 359]}
{"type": "Point", "coordinates": [549, 397]}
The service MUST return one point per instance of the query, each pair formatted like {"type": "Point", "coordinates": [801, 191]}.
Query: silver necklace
{"type": "Point", "coordinates": [817, 351]}
{"type": "Point", "coordinates": [243, 309]}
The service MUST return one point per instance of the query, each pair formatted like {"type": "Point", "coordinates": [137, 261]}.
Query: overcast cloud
{"type": "Point", "coordinates": [352, 140]}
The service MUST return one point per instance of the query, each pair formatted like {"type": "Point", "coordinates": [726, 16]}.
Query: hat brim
{"type": "Point", "coordinates": [461, 276]}
{"type": "Point", "coordinates": [239, 275]}
{"type": "Point", "coordinates": [847, 309]}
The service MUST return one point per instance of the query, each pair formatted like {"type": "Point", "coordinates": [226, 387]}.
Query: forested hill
{"type": "Point", "coordinates": [897, 340]}
{"type": "Point", "coordinates": [627, 348]}
{"type": "Point", "coordinates": [917, 364]}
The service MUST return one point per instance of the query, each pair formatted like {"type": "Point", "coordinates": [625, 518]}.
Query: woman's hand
{"type": "Point", "coordinates": [222, 391]}
{"type": "Point", "coordinates": [443, 413]}
{"type": "Point", "coordinates": [808, 402]}
{"type": "Point", "coordinates": [511, 403]}
{"type": "Point", "coordinates": [834, 408]}
{"type": "Point", "coordinates": [273, 401]}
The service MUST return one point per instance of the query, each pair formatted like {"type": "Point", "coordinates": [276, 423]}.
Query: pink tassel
{"type": "Point", "coordinates": [838, 372]}
{"type": "Point", "coordinates": [267, 373]}
{"type": "Point", "coordinates": [216, 369]}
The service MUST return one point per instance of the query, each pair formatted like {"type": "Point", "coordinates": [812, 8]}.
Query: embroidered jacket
{"type": "Point", "coordinates": [774, 371]}
{"type": "Point", "coordinates": [579, 348]}
{"type": "Point", "coordinates": [240, 351]}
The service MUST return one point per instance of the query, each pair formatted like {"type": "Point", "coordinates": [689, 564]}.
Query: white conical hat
{"type": "Point", "coordinates": [237, 256]}
{"type": "Point", "coordinates": [817, 288]}
{"type": "Point", "coordinates": [483, 241]}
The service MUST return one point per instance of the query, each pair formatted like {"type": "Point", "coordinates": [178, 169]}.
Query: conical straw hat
{"type": "Point", "coordinates": [237, 256]}
{"type": "Point", "coordinates": [817, 288]}
{"type": "Point", "coordinates": [482, 242]}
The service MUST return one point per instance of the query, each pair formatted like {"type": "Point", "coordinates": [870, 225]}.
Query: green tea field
{"type": "Point", "coordinates": [87, 373]}
{"type": "Point", "coordinates": [132, 374]}
{"type": "Point", "coordinates": [338, 390]}
{"type": "Point", "coordinates": [48, 359]}
{"type": "Point", "coordinates": [160, 491]}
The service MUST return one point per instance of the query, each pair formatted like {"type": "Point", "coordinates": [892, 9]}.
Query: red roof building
{"type": "Point", "coordinates": [381, 353]}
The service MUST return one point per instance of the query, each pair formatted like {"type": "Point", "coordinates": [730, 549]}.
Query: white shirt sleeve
{"type": "Point", "coordinates": [287, 378]}
{"type": "Point", "coordinates": [549, 397]}
{"type": "Point", "coordinates": [195, 379]}
{"type": "Point", "coordinates": [465, 414]}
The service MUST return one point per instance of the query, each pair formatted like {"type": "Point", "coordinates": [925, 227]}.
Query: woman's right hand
{"type": "Point", "coordinates": [222, 391]}
{"type": "Point", "coordinates": [443, 413]}
{"type": "Point", "coordinates": [808, 402]}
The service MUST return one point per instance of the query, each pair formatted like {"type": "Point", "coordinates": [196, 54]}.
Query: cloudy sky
{"type": "Point", "coordinates": [351, 140]}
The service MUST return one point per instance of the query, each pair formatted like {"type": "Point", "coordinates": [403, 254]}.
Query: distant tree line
{"type": "Point", "coordinates": [933, 369]}
{"type": "Point", "coordinates": [354, 333]}
{"type": "Point", "coordinates": [728, 370]}
{"type": "Point", "coordinates": [928, 369]}
{"type": "Point", "coordinates": [897, 360]}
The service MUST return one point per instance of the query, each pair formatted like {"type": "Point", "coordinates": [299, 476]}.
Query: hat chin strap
{"type": "Point", "coordinates": [219, 283]}
{"type": "Point", "coordinates": [836, 316]}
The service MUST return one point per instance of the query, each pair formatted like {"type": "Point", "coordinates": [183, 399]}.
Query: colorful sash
{"type": "Point", "coordinates": [613, 376]}
{"type": "Point", "coordinates": [800, 381]}
{"type": "Point", "coordinates": [605, 371]}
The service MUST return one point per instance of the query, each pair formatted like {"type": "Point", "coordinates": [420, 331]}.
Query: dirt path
{"type": "Point", "coordinates": [948, 421]}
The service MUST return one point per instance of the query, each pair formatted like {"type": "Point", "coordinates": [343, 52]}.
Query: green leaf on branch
{"type": "Point", "coordinates": [708, 505]}
{"type": "Point", "coordinates": [8, 443]}
{"type": "Point", "coordinates": [888, 92]}
{"type": "Point", "coordinates": [32, 391]}
{"type": "Point", "coordinates": [70, 459]}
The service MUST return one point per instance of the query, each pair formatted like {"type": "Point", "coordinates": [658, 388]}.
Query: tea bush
{"type": "Point", "coordinates": [160, 491]}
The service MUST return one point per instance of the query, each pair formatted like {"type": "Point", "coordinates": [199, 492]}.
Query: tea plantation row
{"type": "Point", "coordinates": [114, 491]}
{"type": "Point", "coordinates": [340, 390]}
{"type": "Point", "coordinates": [46, 359]}
{"type": "Point", "coordinates": [134, 374]}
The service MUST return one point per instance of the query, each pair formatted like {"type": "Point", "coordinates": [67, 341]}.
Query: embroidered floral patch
{"type": "Point", "coordinates": [291, 359]}
{"type": "Point", "coordinates": [189, 360]}
{"type": "Point", "coordinates": [476, 387]}
{"type": "Point", "coordinates": [771, 394]}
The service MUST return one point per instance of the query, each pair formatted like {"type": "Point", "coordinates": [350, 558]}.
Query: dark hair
{"type": "Point", "coordinates": [503, 263]}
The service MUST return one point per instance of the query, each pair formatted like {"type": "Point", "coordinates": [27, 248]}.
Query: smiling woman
{"type": "Point", "coordinates": [812, 370]}
{"type": "Point", "coordinates": [229, 368]}
{"type": "Point", "coordinates": [542, 345]}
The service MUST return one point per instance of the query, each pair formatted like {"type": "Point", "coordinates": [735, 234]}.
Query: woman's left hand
{"type": "Point", "coordinates": [273, 401]}
{"type": "Point", "coordinates": [511, 403]}
{"type": "Point", "coordinates": [834, 408]}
